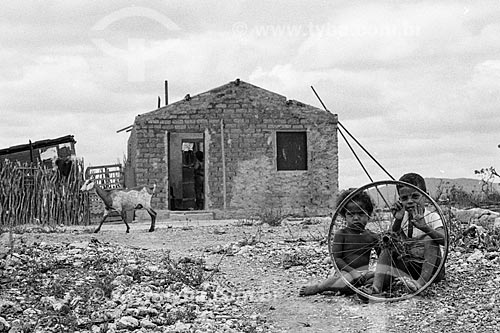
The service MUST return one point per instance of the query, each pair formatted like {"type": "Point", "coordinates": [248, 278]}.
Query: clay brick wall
{"type": "Point", "coordinates": [250, 116]}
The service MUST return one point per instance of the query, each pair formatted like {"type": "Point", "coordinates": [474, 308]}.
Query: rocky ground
{"type": "Point", "coordinates": [239, 277]}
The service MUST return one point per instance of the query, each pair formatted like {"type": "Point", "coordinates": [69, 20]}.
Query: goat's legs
{"type": "Point", "coordinates": [124, 218]}
{"type": "Point", "coordinates": [151, 213]}
{"type": "Point", "coordinates": [102, 221]}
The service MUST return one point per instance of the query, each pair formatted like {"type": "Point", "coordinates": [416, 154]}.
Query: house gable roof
{"type": "Point", "coordinates": [227, 91]}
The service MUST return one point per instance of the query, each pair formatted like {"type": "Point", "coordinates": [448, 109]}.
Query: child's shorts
{"type": "Point", "coordinates": [415, 258]}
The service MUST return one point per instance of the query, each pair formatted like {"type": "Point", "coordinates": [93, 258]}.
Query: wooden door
{"type": "Point", "coordinates": [189, 149]}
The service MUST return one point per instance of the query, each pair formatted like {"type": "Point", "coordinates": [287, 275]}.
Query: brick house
{"type": "Point", "coordinates": [261, 152]}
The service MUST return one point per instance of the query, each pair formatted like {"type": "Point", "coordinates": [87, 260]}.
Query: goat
{"type": "Point", "coordinates": [122, 201]}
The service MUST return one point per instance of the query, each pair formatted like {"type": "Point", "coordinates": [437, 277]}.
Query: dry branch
{"type": "Point", "coordinates": [39, 195]}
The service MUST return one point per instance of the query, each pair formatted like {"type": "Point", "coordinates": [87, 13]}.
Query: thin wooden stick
{"type": "Point", "coordinates": [36, 193]}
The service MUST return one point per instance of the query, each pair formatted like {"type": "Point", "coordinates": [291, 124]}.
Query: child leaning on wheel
{"type": "Point", "coordinates": [352, 246]}
{"type": "Point", "coordinates": [422, 235]}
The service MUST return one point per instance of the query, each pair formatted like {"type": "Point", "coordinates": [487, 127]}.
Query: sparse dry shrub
{"type": "Point", "coordinates": [271, 216]}
{"type": "Point", "coordinates": [189, 271]}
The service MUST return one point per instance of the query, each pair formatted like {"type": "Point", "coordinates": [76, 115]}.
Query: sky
{"type": "Point", "coordinates": [417, 83]}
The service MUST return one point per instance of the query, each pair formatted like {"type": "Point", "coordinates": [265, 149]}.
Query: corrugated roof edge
{"type": "Point", "coordinates": [38, 144]}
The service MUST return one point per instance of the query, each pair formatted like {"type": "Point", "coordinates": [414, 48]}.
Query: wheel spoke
{"type": "Point", "coordinates": [401, 276]}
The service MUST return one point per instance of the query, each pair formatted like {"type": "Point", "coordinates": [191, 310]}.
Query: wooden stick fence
{"type": "Point", "coordinates": [39, 195]}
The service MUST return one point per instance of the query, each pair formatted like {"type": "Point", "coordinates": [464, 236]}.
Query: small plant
{"type": "Point", "coordinates": [487, 176]}
{"type": "Point", "coordinates": [318, 235]}
{"type": "Point", "coordinates": [103, 283]}
{"type": "Point", "coordinates": [293, 259]}
{"type": "Point", "coordinates": [184, 314]}
{"type": "Point", "coordinates": [462, 198]}
{"type": "Point", "coordinates": [271, 216]}
{"type": "Point", "coordinates": [189, 271]}
{"type": "Point", "coordinates": [251, 239]}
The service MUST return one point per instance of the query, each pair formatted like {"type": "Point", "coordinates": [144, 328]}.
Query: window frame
{"type": "Point", "coordinates": [279, 164]}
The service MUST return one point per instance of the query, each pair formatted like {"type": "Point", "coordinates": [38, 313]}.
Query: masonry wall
{"type": "Point", "coordinates": [250, 117]}
{"type": "Point", "coordinates": [130, 180]}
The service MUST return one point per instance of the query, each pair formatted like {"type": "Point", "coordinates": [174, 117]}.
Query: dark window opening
{"type": "Point", "coordinates": [291, 151]}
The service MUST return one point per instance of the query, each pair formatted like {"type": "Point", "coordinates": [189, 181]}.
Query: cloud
{"type": "Point", "coordinates": [352, 95]}
{"type": "Point", "coordinates": [380, 35]}
{"type": "Point", "coordinates": [58, 83]}
{"type": "Point", "coordinates": [416, 82]}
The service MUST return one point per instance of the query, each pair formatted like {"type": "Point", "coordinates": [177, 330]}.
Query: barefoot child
{"type": "Point", "coordinates": [352, 247]}
{"type": "Point", "coordinates": [422, 232]}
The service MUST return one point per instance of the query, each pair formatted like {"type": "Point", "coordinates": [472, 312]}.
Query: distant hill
{"type": "Point", "coordinates": [467, 184]}
{"type": "Point", "coordinates": [433, 184]}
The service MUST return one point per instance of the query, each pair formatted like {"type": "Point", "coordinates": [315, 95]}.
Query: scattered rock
{"type": "Point", "coordinates": [496, 223]}
{"type": "Point", "coordinates": [5, 239]}
{"type": "Point", "coordinates": [117, 287]}
{"type": "Point", "coordinates": [475, 215]}
{"type": "Point", "coordinates": [16, 326]}
{"type": "Point", "coordinates": [5, 244]}
{"type": "Point", "coordinates": [181, 327]}
{"type": "Point", "coordinates": [114, 287]}
{"type": "Point", "coordinates": [78, 245]}
{"type": "Point", "coordinates": [122, 280]}
{"type": "Point", "coordinates": [145, 323]}
{"type": "Point", "coordinates": [127, 322]}
{"type": "Point", "coordinates": [4, 325]}
{"type": "Point", "coordinates": [477, 255]}
{"type": "Point", "coordinates": [219, 231]}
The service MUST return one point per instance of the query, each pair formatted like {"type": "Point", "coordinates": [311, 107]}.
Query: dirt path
{"type": "Point", "coordinates": [258, 271]}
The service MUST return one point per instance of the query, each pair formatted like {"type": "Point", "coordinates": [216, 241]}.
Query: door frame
{"type": "Point", "coordinates": [175, 162]}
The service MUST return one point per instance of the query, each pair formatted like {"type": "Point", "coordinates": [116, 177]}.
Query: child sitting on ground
{"type": "Point", "coordinates": [422, 232]}
{"type": "Point", "coordinates": [352, 246]}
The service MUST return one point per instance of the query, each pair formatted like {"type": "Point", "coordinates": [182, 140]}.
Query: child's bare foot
{"type": "Point", "coordinates": [311, 289]}
{"type": "Point", "coordinates": [409, 283]}
{"type": "Point", "coordinates": [370, 290]}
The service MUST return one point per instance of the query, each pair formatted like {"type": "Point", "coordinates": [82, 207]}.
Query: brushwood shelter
{"type": "Point", "coordinates": [262, 152]}
{"type": "Point", "coordinates": [41, 152]}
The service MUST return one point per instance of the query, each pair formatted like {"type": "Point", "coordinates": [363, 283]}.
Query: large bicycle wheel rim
{"type": "Point", "coordinates": [384, 195]}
